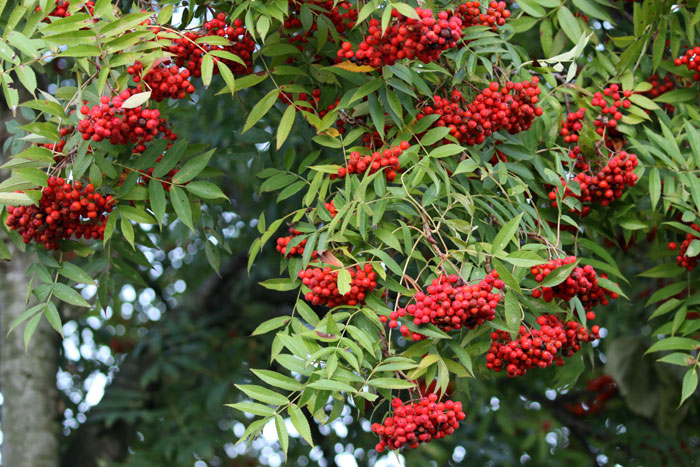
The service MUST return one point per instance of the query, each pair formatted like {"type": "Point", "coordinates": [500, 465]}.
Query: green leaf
{"type": "Point", "coordinates": [136, 100]}
{"type": "Point", "coordinates": [285, 125]}
{"type": "Point", "coordinates": [667, 292]}
{"type": "Point", "coordinates": [674, 343]}
{"type": "Point", "coordinates": [181, 204]}
{"type": "Point", "coordinates": [654, 187]}
{"type": "Point", "coordinates": [53, 318]}
{"type": "Point", "coordinates": [261, 108]}
{"type": "Point", "coordinates": [205, 190]}
{"type": "Point", "coordinates": [434, 135]}
{"type": "Point", "coordinates": [30, 329]}
{"type": "Point", "coordinates": [390, 383]}
{"type": "Point", "coordinates": [331, 385]}
{"type": "Point", "coordinates": [300, 422]}
{"type": "Point", "coordinates": [677, 358]}
{"type": "Point", "coordinates": [271, 325]}
{"type": "Point", "coordinates": [281, 285]}
{"type": "Point", "coordinates": [263, 394]}
{"type": "Point", "coordinates": [690, 384]}
{"type": "Point", "coordinates": [513, 313]}
{"type": "Point", "coordinates": [282, 435]}
{"type": "Point", "coordinates": [277, 380]}
{"type": "Point", "coordinates": [569, 24]}
{"type": "Point", "coordinates": [75, 273]}
{"type": "Point", "coordinates": [69, 295]}
{"type": "Point", "coordinates": [253, 408]}
{"type": "Point", "coordinates": [25, 316]}
{"type": "Point", "coordinates": [559, 275]}
{"type": "Point", "coordinates": [446, 150]}
{"type": "Point", "coordinates": [506, 234]}
{"type": "Point", "coordinates": [207, 69]}
{"type": "Point", "coordinates": [344, 281]}
{"type": "Point", "coordinates": [137, 215]}
{"type": "Point", "coordinates": [192, 168]}
{"type": "Point", "coordinates": [156, 197]}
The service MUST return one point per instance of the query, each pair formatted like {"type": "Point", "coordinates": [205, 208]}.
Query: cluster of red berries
{"type": "Point", "coordinates": [331, 209]}
{"type": "Point", "coordinates": [424, 39]}
{"type": "Point", "coordinates": [187, 53]}
{"type": "Point", "coordinates": [164, 80]}
{"type": "Point", "coordinates": [108, 120]}
{"type": "Point", "coordinates": [418, 422]}
{"type": "Point", "coordinates": [511, 108]}
{"type": "Point", "coordinates": [341, 15]}
{"type": "Point", "coordinates": [535, 348]}
{"type": "Point", "coordinates": [691, 60]}
{"type": "Point", "coordinates": [610, 115]}
{"type": "Point", "coordinates": [660, 86]}
{"type": "Point", "coordinates": [62, 6]}
{"type": "Point", "coordinates": [603, 388]}
{"type": "Point", "coordinates": [450, 304]}
{"type": "Point", "coordinates": [283, 242]}
{"type": "Point", "coordinates": [387, 159]}
{"type": "Point", "coordinates": [65, 210]}
{"type": "Point", "coordinates": [495, 15]}
{"type": "Point", "coordinates": [604, 187]}
{"type": "Point", "coordinates": [582, 283]}
{"type": "Point", "coordinates": [323, 283]}
{"type": "Point", "coordinates": [683, 259]}
{"type": "Point", "coordinates": [571, 127]}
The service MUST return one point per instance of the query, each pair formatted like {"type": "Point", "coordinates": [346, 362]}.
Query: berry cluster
{"type": "Point", "coordinates": [604, 187]}
{"type": "Point", "coordinates": [691, 60]}
{"type": "Point", "coordinates": [331, 209]}
{"type": "Point", "coordinates": [387, 159]}
{"type": "Point", "coordinates": [164, 80]}
{"type": "Point", "coordinates": [423, 39]}
{"type": "Point", "coordinates": [61, 9]}
{"type": "Point", "coordinates": [323, 283]}
{"type": "Point", "coordinates": [450, 304]}
{"type": "Point", "coordinates": [65, 210]}
{"type": "Point", "coordinates": [660, 86]}
{"type": "Point", "coordinates": [108, 120]}
{"type": "Point", "coordinates": [188, 53]}
{"type": "Point", "coordinates": [511, 108]}
{"type": "Point", "coordinates": [602, 389]}
{"type": "Point", "coordinates": [342, 15]}
{"type": "Point", "coordinates": [471, 15]}
{"type": "Point", "coordinates": [582, 282]}
{"type": "Point", "coordinates": [610, 115]}
{"type": "Point", "coordinates": [537, 347]}
{"type": "Point", "coordinates": [683, 260]}
{"type": "Point", "coordinates": [283, 242]}
{"type": "Point", "coordinates": [418, 422]}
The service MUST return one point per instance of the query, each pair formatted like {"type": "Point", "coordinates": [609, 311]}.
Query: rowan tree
{"type": "Point", "coordinates": [461, 196]}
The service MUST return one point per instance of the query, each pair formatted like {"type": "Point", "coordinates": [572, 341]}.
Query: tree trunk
{"type": "Point", "coordinates": [30, 418]}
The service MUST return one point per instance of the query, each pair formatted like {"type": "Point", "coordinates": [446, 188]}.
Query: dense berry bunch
{"type": "Point", "coordinates": [342, 16]}
{"type": "Point", "coordinates": [423, 39]}
{"type": "Point", "coordinates": [323, 283]}
{"type": "Point", "coordinates": [450, 304]}
{"type": "Point", "coordinates": [61, 9]}
{"type": "Point", "coordinates": [108, 120]}
{"type": "Point", "coordinates": [537, 347]}
{"type": "Point", "coordinates": [571, 127]}
{"type": "Point", "coordinates": [471, 15]}
{"type": "Point", "coordinates": [283, 242]}
{"type": "Point", "coordinates": [660, 85]}
{"type": "Point", "coordinates": [610, 101]}
{"type": "Point", "coordinates": [683, 260]}
{"type": "Point", "coordinates": [511, 108]}
{"type": "Point", "coordinates": [418, 422]}
{"type": "Point", "coordinates": [604, 187]}
{"type": "Point", "coordinates": [163, 80]}
{"type": "Point", "coordinates": [387, 159]}
{"type": "Point", "coordinates": [582, 282]}
{"type": "Point", "coordinates": [65, 210]}
{"type": "Point", "coordinates": [242, 45]}
{"type": "Point", "coordinates": [691, 60]}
